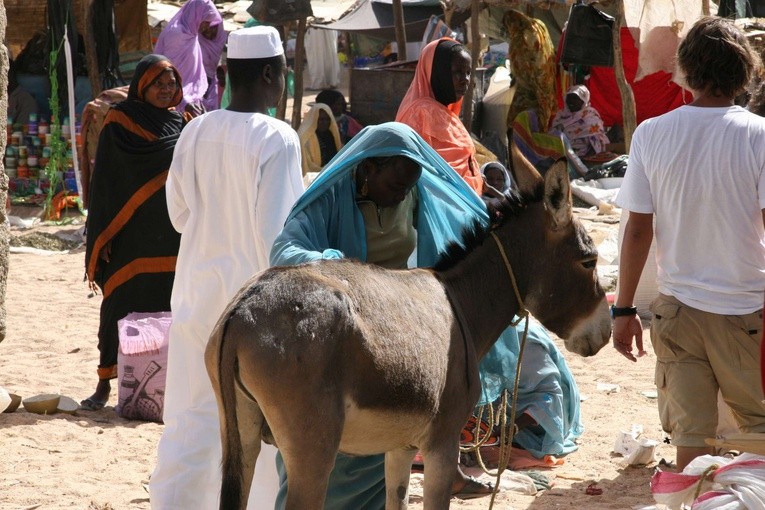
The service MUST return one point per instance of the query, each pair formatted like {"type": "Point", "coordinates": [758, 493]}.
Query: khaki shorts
{"type": "Point", "coordinates": [698, 353]}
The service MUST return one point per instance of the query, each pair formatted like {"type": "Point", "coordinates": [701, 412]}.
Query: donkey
{"type": "Point", "coordinates": [340, 356]}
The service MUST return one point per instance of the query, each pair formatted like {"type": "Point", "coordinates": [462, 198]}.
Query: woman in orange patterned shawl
{"type": "Point", "coordinates": [131, 245]}
{"type": "Point", "coordinates": [432, 105]}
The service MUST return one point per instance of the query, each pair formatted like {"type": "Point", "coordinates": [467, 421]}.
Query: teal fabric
{"type": "Point", "coordinates": [325, 223]}
{"type": "Point", "coordinates": [547, 390]}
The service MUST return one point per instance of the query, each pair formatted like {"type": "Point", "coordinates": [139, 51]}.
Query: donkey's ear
{"type": "Point", "coordinates": [558, 193]}
{"type": "Point", "coordinates": [525, 175]}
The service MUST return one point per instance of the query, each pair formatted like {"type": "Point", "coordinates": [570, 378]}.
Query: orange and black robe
{"type": "Point", "coordinates": [127, 213]}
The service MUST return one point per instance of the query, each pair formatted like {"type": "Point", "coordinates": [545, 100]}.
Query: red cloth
{"type": "Point", "coordinates": [654, 95]}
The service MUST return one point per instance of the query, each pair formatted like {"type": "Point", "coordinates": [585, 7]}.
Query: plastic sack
{"type": "Point", "coordinates": [731, 484]}
{"type": "Point", "coordinates": [588, 38]}
{"type": "Point", "coordinates": [142, 365]}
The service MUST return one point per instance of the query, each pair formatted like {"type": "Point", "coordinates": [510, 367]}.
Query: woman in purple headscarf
{"type": "Point", "coordinates": [193, 40]}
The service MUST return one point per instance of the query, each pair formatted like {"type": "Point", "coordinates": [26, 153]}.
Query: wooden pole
{"type": "Point", "coordinates": [398, 21]}
{"type": "Point", "coordinates": [475, 54]}
{"type": "Point", "coordinates": [281, 108]}
{"type": "Point", "coordinates": [91, 58]}
{"type": "Point", "coordinates": [629, 116]}
{"type": "Point", "coordinates": [297, 100]}
{"type": "Point", "coordinates": [705, 8]}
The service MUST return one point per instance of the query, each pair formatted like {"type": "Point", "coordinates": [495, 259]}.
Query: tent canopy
{"type": "Point", "coordinates": [375, 19]}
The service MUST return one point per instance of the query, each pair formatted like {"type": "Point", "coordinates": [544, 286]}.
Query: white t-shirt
{"type": "Point", "coordinates": [701, 172]}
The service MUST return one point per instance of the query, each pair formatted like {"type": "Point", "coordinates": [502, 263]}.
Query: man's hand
{"type": "Point", "coordinates": [195, 109]}
{"type": "Point", "coordinates": [625, 329]}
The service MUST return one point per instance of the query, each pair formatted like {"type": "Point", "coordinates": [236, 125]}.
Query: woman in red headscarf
{"type": "Point", "coordinates": [432, 106]}
{"type": "Point", "coordinates": [131, 245]}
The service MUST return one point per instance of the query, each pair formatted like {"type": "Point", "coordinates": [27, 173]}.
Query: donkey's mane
{"type": "Point", "coordinates": [511, 204]}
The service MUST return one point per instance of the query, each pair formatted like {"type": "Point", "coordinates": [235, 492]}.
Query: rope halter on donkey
{"type": "Point", "coordinates": [507, 430]}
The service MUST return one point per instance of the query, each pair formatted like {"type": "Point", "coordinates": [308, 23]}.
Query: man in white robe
{"type": "Point", "coordinates": [234, 178]}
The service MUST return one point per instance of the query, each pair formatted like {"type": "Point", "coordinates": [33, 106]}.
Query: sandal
{"type": "Point", "coordinates": [90, 404]}
{"type": "Point", "coordinates": [474, 488]}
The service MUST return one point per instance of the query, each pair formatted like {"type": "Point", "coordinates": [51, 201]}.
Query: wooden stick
{"type": "Point", "coordinates": [475, 53]}
{"type": "Point", "coordinates": [281, 108]}
{"type": "Point", "coordinates": [629, 116]}
{"type": "Point", "coordinates": [297, 100]}
{"type": "Point", "coordinates": [398, 20]}
{"type": "Point", "coordinates": [90, 48]}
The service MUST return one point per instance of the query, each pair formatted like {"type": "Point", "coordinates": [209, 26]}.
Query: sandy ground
{"type": "Point", "coordinates": [96, 460]}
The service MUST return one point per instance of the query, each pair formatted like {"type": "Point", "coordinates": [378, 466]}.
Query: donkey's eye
{"type": "Point", "coordinates": [590, 264]}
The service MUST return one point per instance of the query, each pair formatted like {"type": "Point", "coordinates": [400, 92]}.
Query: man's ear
{"type": "Point", "coordinates": [268, 73]}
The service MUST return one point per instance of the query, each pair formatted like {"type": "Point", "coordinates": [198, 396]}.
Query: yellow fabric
{"type": "Point", "coordinates": [532, 57]}
{"type": "Point", "coordinates": [391, 237]}
{"type": "Point", "coordinates": [309, 142]}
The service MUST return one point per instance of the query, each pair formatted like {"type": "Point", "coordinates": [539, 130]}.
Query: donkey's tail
{"type": "Point", "coordinates": [220, 358]}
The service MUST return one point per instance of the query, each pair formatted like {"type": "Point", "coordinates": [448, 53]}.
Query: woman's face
{"type": "Point", "coordinates": [390, 180]}
{"type": "Point", "coordinates": [495, 178]}
{"type": "Point", "coordinates": [574, 103]}
{"type": "Point", "coordinates": [207, 31]}
{"type": "Point", "coordinates": [162, 90]}
{"type": "Point", "coordinates": [461, 67]}
{"type": "Point", "coordinates": [322, 124]}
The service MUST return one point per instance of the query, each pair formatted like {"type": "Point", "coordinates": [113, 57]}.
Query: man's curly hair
{"type": "Point", "coordinates": [716, 58]}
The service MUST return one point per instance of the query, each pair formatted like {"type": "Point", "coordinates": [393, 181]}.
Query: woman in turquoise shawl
{"type": "Point", "coordinates": [328, 222]}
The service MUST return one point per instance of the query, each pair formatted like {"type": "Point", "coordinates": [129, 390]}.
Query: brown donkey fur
{"type": "Point", "coordinates": [340, 356]}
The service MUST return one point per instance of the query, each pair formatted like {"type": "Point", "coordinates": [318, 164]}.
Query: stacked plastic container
{"type": "Point", "coordinates": [27, 154]}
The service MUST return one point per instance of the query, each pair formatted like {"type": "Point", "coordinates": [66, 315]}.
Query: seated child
{"type": "Point", "coordinates": [347, 125]}
{"type": "Point", "coordinates": [319, 138]}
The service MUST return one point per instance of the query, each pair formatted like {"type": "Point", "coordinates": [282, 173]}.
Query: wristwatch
{"type": "Point", "coordinates": [626, 311]}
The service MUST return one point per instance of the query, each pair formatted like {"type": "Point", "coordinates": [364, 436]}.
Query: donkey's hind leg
{"type": "Point", "coordinates": [309, 462]}
{"type": "Point", "coordinates": [250, 422]}
{"type": "Point", "coordinates": [308, 450]}
{"type": "Point", "coordinates": [398, 466]}
{"type": "Point", "coordinates": [440, 466]}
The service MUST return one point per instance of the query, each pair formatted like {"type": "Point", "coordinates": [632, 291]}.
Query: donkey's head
{"type": "Point", "coordinates": [562, 289]}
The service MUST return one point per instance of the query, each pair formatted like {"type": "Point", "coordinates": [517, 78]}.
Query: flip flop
{"type": "Point", "coordinates": [90, 404]}
{"type": "Point", "coordinates": [474, 488]}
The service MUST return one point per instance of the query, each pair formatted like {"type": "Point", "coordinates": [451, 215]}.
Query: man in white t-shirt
{"type": "Point", "coordinates": [234, 178]}
{"type": "Point", "coordinates": [700, 169]}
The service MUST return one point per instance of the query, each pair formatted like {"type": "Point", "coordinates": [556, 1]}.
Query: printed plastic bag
{"type": "Point", "coordinates": [142, 365]}
{"type": "Point", "coordinates": [730, 484]}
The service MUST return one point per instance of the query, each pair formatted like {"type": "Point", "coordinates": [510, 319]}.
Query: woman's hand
{"type": "Point", "coordinates": [106, 253]}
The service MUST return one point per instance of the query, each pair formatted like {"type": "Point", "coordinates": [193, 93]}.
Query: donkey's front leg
{"type": "Point", "coordinates": [398, 466]}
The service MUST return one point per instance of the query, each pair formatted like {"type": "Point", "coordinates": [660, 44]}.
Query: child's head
{"type": "Point", "coordinates": [495, 176]}
{"type": "Point", "coordinates": [334, 99]}
{"type": "Point", "coordinates": [322, 125]}
{"type": "Point", "coordinates": [716, 58]}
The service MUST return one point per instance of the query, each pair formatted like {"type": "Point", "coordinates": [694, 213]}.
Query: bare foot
{"type": "Point", "coordinates": [467, 487]}
{"type": "Point", "coordinates": [98, 400]}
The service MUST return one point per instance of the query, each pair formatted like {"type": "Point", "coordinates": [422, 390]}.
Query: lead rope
{"type": "Point", "coordinates": [507, 431]}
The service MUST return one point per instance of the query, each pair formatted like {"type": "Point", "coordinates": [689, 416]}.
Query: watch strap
{"type": "Point", "coordinates": [625, 311]}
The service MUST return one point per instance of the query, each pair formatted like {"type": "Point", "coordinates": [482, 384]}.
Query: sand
{"type": "Point", "coordinates": [96, 460]}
